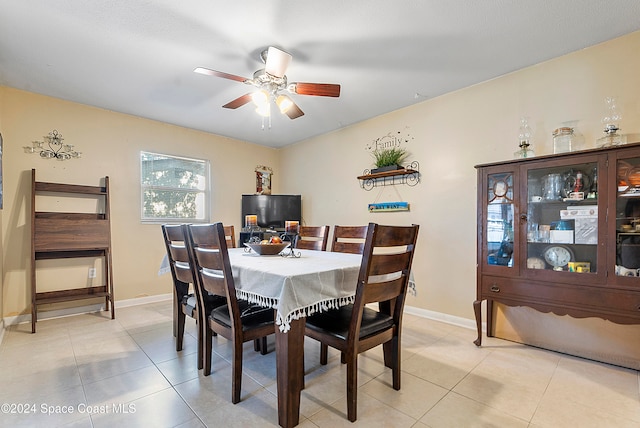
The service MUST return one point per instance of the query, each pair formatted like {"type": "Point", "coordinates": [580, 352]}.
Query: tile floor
{"type": "Point", "coordinates": [91, 371]}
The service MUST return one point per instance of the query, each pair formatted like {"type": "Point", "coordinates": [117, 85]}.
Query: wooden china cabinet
{"type": "Point", "coordinates": [561, 234]}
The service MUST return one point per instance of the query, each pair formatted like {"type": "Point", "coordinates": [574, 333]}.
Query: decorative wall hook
{"type": "Point", "coordinates": [54, 148]}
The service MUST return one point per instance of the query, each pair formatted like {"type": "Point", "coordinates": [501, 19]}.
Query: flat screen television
{"type": "Point", "coordinates": [272, 210]}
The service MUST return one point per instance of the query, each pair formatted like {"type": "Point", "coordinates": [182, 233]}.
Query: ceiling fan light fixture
{"type": "Point", "coordinates": [260, 98]}
{"type": "Point", "coordinates": [284, 103]}
{"type": "Point", "coordinates": [264, 110]}
{"type": "Point", "coordinates": [277, 62]}
{"type": "Point", "coordinates": [269, 81]}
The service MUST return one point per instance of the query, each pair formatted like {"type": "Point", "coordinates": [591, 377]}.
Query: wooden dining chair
{"type": "Point", "coordinates": [230, 236]}
{"type": "Point", "coordinates": [238, 320]}
{"type": "Point", "coordinates": [353, 329]}
{"type": "Point", "coordinates": [185, 302]}
{"type": "Point", "coordinates": [349, 239]}
{"type": "Point", "coordinates": [260, 345]}
{"type": "Point", "coordinates": [313, 238]}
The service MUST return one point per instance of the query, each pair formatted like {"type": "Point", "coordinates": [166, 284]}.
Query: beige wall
{"type": "Point", "coordinates": [447, 135]}
{"type": "Point", "coordinates": [450, 134]}
{"type": "Point", "coordinates": [110, 144]}
{"type": "Point", "coordinates": [2, 162]}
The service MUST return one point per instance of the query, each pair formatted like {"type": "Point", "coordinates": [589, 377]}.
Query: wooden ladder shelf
{"type": "Point", "coordinates": [58, 235]}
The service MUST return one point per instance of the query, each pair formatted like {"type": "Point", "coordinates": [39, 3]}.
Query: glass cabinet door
{"type": "Point", "coordinates": [499, 219]}
{"type": "Point", "coordinates": [628, 217]}
{"type": "Point", "coordinates": [562, 218]}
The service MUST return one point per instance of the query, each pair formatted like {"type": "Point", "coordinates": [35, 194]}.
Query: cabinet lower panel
{"type": "Point", "coordinates": [578, 301]}
{"type": "Point", "coordinates": [579, 297]}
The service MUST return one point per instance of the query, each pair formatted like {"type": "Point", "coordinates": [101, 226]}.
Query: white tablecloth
{"type": "Point", "coordinates": [295, 287]}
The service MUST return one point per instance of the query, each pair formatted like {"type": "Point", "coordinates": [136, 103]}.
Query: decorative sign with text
{"type": "Point", "coordinates": [388, 207]}
{"type": "Point", "coordinates": [391, 140]}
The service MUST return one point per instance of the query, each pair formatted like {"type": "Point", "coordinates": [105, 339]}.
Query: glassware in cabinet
{"type": "Point", "coordinates": [500, 219]}
{"type": "Point", "coordinates": [562, 218]}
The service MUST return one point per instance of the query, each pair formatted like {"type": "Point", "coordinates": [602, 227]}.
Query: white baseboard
{"type": "Point", "coordinates": [143, 300]}
{"type": "Point", "coordinates": [59, 313]}
{"type": "Point", "coordinates": [1, 330]}
{"type": "Point", "coordinates": [442, 317]}
{"type": "Point", "coordinates": [42, 315]}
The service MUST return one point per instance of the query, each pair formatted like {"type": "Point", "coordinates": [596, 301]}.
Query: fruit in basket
{"type": "Point", "coordinates": [264, 242]}
{"type": "Point", "coordinates": [275, 240]}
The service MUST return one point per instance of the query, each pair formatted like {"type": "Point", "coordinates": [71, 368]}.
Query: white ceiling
{"type": "Point", "coordinates": [138, 56]}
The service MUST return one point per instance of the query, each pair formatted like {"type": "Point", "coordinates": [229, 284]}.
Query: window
{"type": "Point", "coordinates": [174, 188]}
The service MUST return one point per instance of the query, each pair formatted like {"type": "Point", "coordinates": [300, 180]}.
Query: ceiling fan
{"type": "Point", "coordinates": [271, 81]}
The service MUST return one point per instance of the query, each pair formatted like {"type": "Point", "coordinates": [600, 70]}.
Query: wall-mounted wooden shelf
{"type": "Point", "coordinates": [409, 176]}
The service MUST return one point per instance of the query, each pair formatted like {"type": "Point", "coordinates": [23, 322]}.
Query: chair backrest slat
{"type": "Point", "coordinates": [213, 279]}
{"type": "Point", "coordinates": [213, 282]}
{"type": "Point", "coordinates": [383, 291]}
{"type": "Point", "coordinates": [180, 262]}
{"type": "Point", "coordinates": [313, 238]}
{"type": "Point", "coordinates": [230, 236]}
{"type": "Point", "coordinates": [177, 254]}
{"type": "Point", "coordinates": [389, 263]}
{"type": "Point", "coordinates": [349, 239]}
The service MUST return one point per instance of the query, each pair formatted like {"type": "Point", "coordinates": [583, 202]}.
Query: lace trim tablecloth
{"type": "Point", "coordinates": [295, 287]}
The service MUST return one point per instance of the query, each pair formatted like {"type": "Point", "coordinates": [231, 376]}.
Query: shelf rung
{"type": "Point", "coordinates": [41, 186]}
{"type": "Point", "coordinates": [71, 294]}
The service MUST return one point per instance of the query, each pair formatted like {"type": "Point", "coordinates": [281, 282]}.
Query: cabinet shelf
{"type": "Point", "coordinates": [409, 176]}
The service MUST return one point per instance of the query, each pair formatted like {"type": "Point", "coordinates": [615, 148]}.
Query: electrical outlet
{"type": "Point", "coordinates": [92, 272]}
{"type": "Point", "coordinates": [412, 288]}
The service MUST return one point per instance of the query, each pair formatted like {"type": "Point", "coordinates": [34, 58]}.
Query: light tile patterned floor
{"type": "Point", "coordinates": [91, 371]}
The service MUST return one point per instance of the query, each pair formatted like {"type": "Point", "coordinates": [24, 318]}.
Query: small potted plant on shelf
{"type": "Point", "coordinates": [388, 159]}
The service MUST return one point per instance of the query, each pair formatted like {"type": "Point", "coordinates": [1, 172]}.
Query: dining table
{"type": "Point", "coordinates": [295, 287]}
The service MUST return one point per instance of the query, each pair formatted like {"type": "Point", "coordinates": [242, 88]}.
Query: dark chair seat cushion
{"type": "Point", "coordinates": [336, 322]}
{"type": "Point", "coordinates": [251, 315]}
{"type": "Point", "coordinates": [189, 302]}
{"type": "Point", "coordinates": [211, 302]}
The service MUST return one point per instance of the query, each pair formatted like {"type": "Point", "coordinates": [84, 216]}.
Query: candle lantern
{"type": "Point", "coordinates": [291, 229]}
{"type": "Point", "coordinates": [291, 226]}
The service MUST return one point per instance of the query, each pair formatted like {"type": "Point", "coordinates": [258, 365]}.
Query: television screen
{"type": "Point", "coordinates": [272, 210]}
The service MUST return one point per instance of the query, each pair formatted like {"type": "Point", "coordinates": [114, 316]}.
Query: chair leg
{"type": "Point", "coordinates": [176, 311]}
{"type": "Point", "coordinates": [263, 345]}
{"type": "Point", "coordinates": [302, 375]}
{"type": "Point", "coordinates": [389, 351]}
{"type": "Point", "coordinates": [201, 333]}
{"type": "Point", "coordinates": [324, 351]}
{"type": "Point", "coordinates": [396, 363]}
{"type": "Point", "coordinates": [236, 375]}
{"type": "Point", "coordinates": [256, 345]}
{"type": "Point", "coordinates": [180, 333]}
{"type": "Point", "coordinates": [352, 388]}
{"type": "Point", "coordinates": [207, 350]}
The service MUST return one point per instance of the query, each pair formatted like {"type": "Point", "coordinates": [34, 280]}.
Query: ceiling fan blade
{"type": "Point", "coordinates": [277, 62]}
{"type": "Point", "coordinates": [222, 74]}
{"type": "Point", "coordinates": [318, 89]}
{"type": "Point", "coordinates": [294, 111]}
{"type": "Point", "coordinates": [238, 102]}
